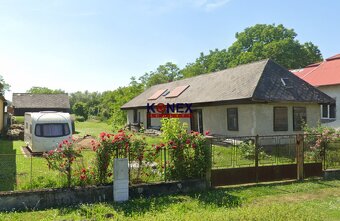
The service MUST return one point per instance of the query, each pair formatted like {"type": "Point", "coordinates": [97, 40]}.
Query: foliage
{"type": "Point", "coordinates": [317, 138]}
{"type": "Point", "coordinates": [248, 150]}
{"type": "Point", "coordinates": [80, 109]}
{"type": "Point", "coordinates": [216, 60]}
{"type": "Point", "coordinates": [165, 73]}
{"type": "Point", "coordinates": [80, 118]}
{"type": "Point", "coordinates": [190, 154]}
{"type": "Point", "coordinates": [44, 90]}
{"type": "Point", "coordinates": [269, 41]}
{"type": "Point", "coordinates": [108, 146]}
{"type": "Point", "coordinates": [62, 158]}
{"type": "Point", "coordinates": [3, 85]}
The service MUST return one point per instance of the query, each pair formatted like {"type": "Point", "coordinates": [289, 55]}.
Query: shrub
{"type": "Point", "coordinates": [108, 146]}
{"type": "Point", "coordinates": [80, 118]}
{"type": "Point", "coordinates": [62, 158]}
{"type": "Point", "coordinates": [247, 149]}
{"type": "Point", "coordinates": [190, 155]}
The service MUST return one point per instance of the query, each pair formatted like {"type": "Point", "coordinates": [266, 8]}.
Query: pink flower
{"type": "Point", "coordinates": [207, 133]}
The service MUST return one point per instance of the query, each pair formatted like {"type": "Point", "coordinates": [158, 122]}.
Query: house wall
{"type": "Point", "coordinates": [1, 115]}
{"type": "Point", "coordinates": [253, 119]}
{"type": "Point", "coordinates": [334, 92]}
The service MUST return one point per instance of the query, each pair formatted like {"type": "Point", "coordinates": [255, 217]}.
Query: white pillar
{"type": "Point", "coordinates": [121, 180]}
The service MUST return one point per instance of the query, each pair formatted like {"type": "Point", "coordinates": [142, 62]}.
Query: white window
{"type": "Point", "coordinates": [328, 111]}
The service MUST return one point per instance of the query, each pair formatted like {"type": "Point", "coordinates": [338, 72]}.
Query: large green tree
{"type": "Point", "coordinates": [279, 43]}
{"type": "Point", "coordinates": [216, 60]}
{"type": "Point", "coordinates": [164, 73]}
{"type": "Point", "coordinates": [44, 90]}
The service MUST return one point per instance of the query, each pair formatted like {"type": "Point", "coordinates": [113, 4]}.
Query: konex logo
{"type": "Point", "coordinates": [174, 110]}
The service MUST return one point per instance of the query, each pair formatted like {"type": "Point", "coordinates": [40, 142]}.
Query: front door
{"type": "Point", "coordinates": [197, 121]}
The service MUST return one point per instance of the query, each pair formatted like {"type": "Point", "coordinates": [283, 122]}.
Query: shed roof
{"type": "Point", "coordinates": [255, 82]}
{"type": "Point", "coordinates": [28, 100]}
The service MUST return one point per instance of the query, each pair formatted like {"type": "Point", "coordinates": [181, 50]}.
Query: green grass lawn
{"type": "Point", "coordinates": [309, 200]}
{"type": "Point", "coordinates": [93, 128]}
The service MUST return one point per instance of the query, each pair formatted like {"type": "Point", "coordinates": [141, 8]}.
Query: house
{"type": "Point", "coordinates": [26, 102]}
{"type": "Point", "coordinates": [325, 76]}
{"type": "Point", "coordinates": [2, 113]}
{"type": "Point", "coordinates": [259, 98]}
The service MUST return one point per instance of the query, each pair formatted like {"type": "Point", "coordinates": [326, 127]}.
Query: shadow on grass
{"type": "Point", "coordinates": [7, 165]}
{"type": "Point", "coordinates": [213, 197]}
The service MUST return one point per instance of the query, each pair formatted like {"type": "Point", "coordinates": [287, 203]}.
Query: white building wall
{"type": "Point", "coordinates": [334, 92]}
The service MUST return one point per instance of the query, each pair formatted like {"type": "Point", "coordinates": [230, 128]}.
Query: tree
{"type": "Point", "coordinates": [216, 60]}
{"type": "Point", "coordinates": [167, 72]}
{"type": "Point", "coordinates": [80, 109]}
{"type": "Point", "coordinates": [269, 41]}
{"type": "Point", "coordinates": [44, 90]}
{"type": "Point", "coordinates": [3, 85]}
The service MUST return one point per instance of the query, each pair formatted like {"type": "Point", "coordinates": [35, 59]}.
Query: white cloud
{"type": "Point", "coordinates": [209, 5]}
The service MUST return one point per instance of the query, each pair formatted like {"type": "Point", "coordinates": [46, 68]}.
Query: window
{"type": "Point", "coordinates": [299, 118]}
{"type": "Point", "coordinates": [232, 119]}
{"type": "Point", "coordinates": [52, 130]}
{"type": "Point", "coordinates": [280, 118]}
{"type": "Point", "coordinates": [328, 111]}
{"type": "Point", "coordinates": [135, 120]}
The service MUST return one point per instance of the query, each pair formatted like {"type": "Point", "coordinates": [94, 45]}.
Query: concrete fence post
{"type": "Point", "coordinates": [299, 156]}
{"type": "Point", "coordinates": [121, 180]}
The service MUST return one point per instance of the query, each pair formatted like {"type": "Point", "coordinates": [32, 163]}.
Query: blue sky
{"type": "Point", "coordinates": [98, 45]}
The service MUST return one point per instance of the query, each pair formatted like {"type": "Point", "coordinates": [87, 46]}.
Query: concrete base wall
{"type": "Point", "coordinates": [49, 198]}
{"type": "Point", "coordinates": [331, 174]}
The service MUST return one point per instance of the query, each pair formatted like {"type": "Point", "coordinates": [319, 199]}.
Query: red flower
{"type": "Point", "coordinates": [83, 177]}
{"type": "Point", "coordinates": [171, 142]}
{"type": "Point", "coordinates": [207, 133]}
{"type": "Point", "coordinates": [83, 170]}
{"type": "Point", "coordinates": [174, 147]}
{"type": "Point", "coordinates": [188, 141]}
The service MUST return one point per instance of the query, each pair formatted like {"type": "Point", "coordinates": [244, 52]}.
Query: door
{"type": "Point", "coordinates": [197, 121]}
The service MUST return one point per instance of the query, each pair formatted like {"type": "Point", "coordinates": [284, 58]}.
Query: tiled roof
{"type": "Point", "coordinates": [256, 82]}
{"type": "Point", "coordinates": [323, 73]}
{"type": "Point", "coordinates": [27, 100]}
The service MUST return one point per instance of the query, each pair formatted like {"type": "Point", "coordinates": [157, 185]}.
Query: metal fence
{"type": "Point", "coordinates": [246, 151]}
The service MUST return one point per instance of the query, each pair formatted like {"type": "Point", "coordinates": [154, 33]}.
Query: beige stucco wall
{"type": "Point", "coordinates": [253, 119]}
{"type": "Point", "coordinates": [334, 92]}
{"type": "Point", "coordinates": [1, 115]}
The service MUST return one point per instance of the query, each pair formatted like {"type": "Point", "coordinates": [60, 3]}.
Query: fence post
{"type": "Point", "coordinates": [256, 158]}
{"type": "Point", "coordinates": [31, 173]}
{"type": "Point", "coordinates": [209, 141]}
{"type": "Point", "coordinates": [165, 164]}
{"type": "Point", "coordinates": [324, 155]}
{"type": "Point", "coordinates": [299, 156]}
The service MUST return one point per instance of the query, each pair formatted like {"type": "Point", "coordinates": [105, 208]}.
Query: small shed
{"type": "Point", "coordinates": [27, 102]}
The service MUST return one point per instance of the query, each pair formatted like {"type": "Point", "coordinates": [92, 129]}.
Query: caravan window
{"type": "Point", "coordinates": [52, 130]}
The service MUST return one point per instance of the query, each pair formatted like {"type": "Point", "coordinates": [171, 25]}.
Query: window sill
{"type": "Point", "coordinates": [327, 120]}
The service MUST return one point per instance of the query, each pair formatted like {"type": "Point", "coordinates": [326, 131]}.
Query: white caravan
{"type": "Point", "coordinates": [45, 130]}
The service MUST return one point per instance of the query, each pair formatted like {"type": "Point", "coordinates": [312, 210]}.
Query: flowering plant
{"type": "Point", "coordinates": [62, 158]}
{"type": "Point", "coordinates": [108, 145]}
{"type": "Point", "coordinates": [189, 152]}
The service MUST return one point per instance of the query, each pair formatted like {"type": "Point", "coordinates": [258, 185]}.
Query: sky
{"type": "Point", "coordinates": [78, 45]}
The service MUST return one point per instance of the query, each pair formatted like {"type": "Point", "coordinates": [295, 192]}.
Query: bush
{"type": "Point", "coordinates": [62, 158]}
{"type": "Point", "coordinates": [247, 149]}
{"type": "Point", "coordinates": [80, 118]}
{"type": "Point", "coordinates": [190, 153]}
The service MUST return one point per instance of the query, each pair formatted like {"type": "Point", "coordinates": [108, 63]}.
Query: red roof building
{"type": "Point", "coordinates": [322, 73]}
{"type": "Point", "coordinates": [325, 76]}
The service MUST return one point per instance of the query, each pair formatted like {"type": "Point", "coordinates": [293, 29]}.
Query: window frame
{"type": "Point", "coordinates": [328, 112]}
{"type": "Point", "coordinates": [42, 135]}
{"type": "Point", "coordinates": [275, 127]}
{"type": "Point", "coordinates": [294, 123]}
{"type": "Point", "coordinates": [228, 122]}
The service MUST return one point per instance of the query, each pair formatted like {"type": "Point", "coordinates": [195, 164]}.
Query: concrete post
{"type": "Point", "coordinates": [121, 180]}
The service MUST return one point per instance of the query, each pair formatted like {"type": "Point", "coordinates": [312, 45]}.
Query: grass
{"type": "Point", "coordinates": [93, 128]}
{"type": "Point", "coordinates": [310, 200]}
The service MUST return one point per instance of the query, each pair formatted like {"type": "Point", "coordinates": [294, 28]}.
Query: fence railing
{"type": "Point", "coordinates": [248, 151]}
